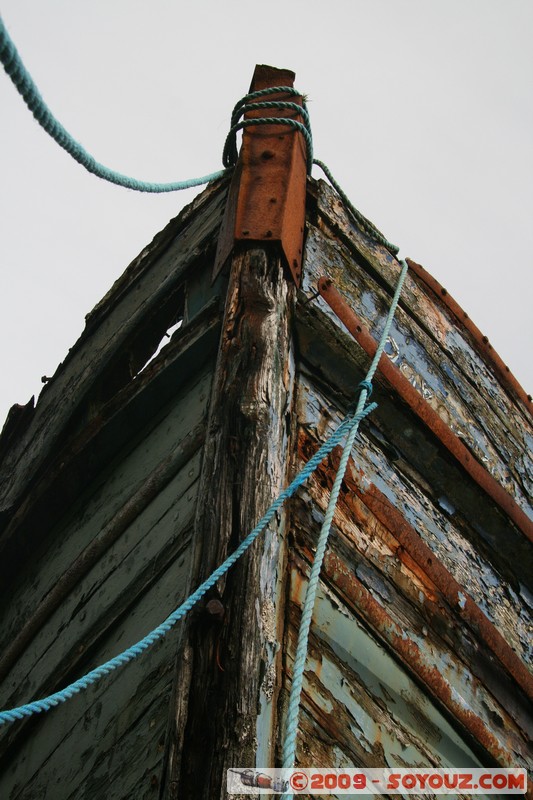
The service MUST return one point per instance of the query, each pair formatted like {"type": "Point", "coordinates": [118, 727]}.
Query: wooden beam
{"type": "Point", "coordinates": [227, 664]}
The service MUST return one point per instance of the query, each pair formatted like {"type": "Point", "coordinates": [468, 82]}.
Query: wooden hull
{"type": "Point", "coordinates": [126, 486]}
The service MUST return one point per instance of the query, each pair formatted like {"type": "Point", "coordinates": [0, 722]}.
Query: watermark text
{"type": "Point", "coordinates": [245, 780]}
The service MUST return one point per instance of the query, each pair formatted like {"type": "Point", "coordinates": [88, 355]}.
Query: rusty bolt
{"type": "Point", "coordinates": [268, 234]}
{"type": "Point", "coordinates": [215, 608]}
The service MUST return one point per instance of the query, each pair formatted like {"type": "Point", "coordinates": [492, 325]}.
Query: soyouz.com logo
{"type": "Point", "coordinates": [246, 780]}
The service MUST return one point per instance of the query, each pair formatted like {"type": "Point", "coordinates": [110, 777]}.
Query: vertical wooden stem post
{"type": "Point", "coordinates": [226, 675]}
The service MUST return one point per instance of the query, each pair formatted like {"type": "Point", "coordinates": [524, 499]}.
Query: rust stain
{"type": "Point", "coordinates": [355, 510]}
{"type": "Point", "coordinates": [419, 559]}
{"type": "Point", "coordinates": [409, 652]}
{"type": "Point", "coordinates": [482, 343]}
{"type": "Point", "coordinates": [403, 555]}
{"type": "Point", "coordinates": [297, 587]}
{"type": "Point", "coordinates": [424, 411]}
{"type": "Point", "coordinates": [456, 595]}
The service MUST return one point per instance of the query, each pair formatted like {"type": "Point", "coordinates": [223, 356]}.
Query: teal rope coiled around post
{"type": "Point", "coordinates": [291, 727]}
{"type": "Point", "coordinates": [229, 155]}
{"type": "Point", "coordinates": [47, 703]}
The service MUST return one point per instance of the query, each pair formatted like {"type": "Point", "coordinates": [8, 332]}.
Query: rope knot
{"type": "Point", "coordinates": [368, 386]}
{"type": "Point", "coordinates": [351, 411]}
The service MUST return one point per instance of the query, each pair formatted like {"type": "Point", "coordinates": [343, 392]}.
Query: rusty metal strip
{"type": "Point", "coordinates": [266, 202]}
{"type": "Point", "coordinates": [424, 411]}
{"type": "Point", "coordinates": [455, 594]}
{"type": "Point", "coordinates": [482, 343]}
{"type": "Point", "coordinates": [412, 656]}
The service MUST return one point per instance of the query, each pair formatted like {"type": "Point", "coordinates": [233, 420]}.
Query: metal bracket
{"type": "Point", "coordinates": [266, 200]}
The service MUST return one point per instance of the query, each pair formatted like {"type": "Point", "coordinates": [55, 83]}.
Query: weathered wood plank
{"type": "Point", "coordinates": [111, 776]}
{"type": "Point", "coordinates": [141, 575]}
{"type": "Point", "coordinates": [84, 457]}
{"type": "Point", "coordinates": [334, 356]}
{"type": "Point", "coordinates": [432, 309]}
{"type": "Point", "coordinates": [495, 432]}
{"type": "Point", "coordinates": [244, 467]}
{"type": "Point", "coordinates": [129, 708]}
{"type": "Point", "coordinates": [102, 500]}
{"type": "Point", "coordinates": [390, 546]}
{"type": "Point", "coordinates": [379, 460]}
{"type": "Point", "coordinates": [28, 625]}
{"type": "Point", "coordinates": [346, 564]}
{"type": "Point", "coordinates": [157, 247]}
{"type": "Point", "coordinates": [481, 342]}
{"type": "Point", "coordinates": [94, 350]}
{"type": "Point", "coordinates": [360, 707]}
{"type": "Point", "coordinates": [160, 535]}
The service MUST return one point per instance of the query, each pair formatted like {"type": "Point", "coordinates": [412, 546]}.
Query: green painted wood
{"type": "Point", "coordinates": [133, 299]}
{"type": "Point", "coordinates": [82, 459]}
{"type": "Point", "coordinates": [136, 582]}
{"type": "Point", "coordinates": [128, 569]}
{"type": "Point", "coordinates": [101, 500]}
{"type": "Point", "coordinates": [72, 746]}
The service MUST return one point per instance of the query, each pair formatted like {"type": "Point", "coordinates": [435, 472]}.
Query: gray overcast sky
{"type": "Point", "coordinates": [422, 108]}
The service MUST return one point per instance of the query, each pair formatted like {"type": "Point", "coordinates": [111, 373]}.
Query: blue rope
{"type": "Point", "coordinates": [24, 84]}
{"type": "Point", "coordinates": [29, 92]}
{"type": "Point", "coordinates": [37, 706]}
{"type": "Point", "coordinates": [364, 223]}
{"type": "Point", "coordinates": [293, 712]}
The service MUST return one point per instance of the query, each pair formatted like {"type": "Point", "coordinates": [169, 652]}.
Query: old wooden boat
{"type": "Point", "coordinates": [141, 467]}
